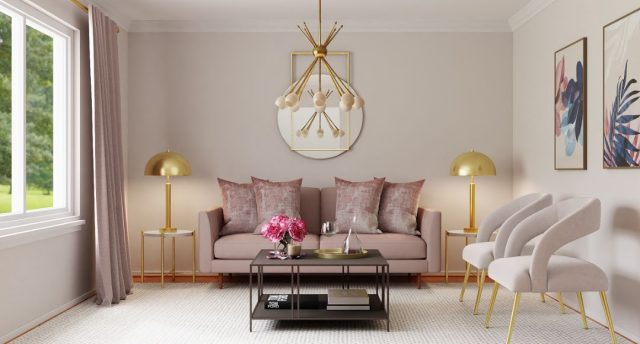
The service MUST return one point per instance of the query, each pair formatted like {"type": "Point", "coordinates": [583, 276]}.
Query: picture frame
{"type": "Point", "coordinates": [620, 92]}
{"type": "Point", "coordinates": [570, 106]}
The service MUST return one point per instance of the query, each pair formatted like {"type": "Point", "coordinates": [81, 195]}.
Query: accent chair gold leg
{"type": "Point", "coordinates": [193, 258]}
{"type": "Point", "coordinates": [494, 293]}
{"type": "Point", "coordinates": [514, 311]}
{"type": "Point", "coordinates": [446, 257]}
{"type": "Point", "coordinates": [607, 313]}
{"type": "Point", "coordinates": [542, 297]}
{"type": "Point", "coordinates": [582, 315]}
{"type": "Point", "coordinates": [480, 286]}
{"type": "Point", "coordinates": [173, 258]}
{"type": "Point", "coordinates": [561, 300]}
{"type": "Point", "coordinates": [464, 282]}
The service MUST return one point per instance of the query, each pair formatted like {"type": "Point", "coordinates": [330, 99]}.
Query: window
{"type": "Point", "coordinates": [36, 114]}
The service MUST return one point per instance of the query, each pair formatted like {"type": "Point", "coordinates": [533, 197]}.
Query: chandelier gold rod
{"type": "Point", "coordinates": [306, 28]}
{"type": "Point", "coordinates": [307, 71]}
{"type": "Point", "coordinates": [320, 21]}
{"type": "Point", "coordinates": [333, 28]}
{"type": "Point", "coordinates": [346, 89]}
{"type": "Point", "coordinates": [335, 83]}
{"type": "Point", "coordinates": [310, 121]}
{"type": "Point", "coordinates": [336, 77]}
{"type": "Point", "coordinates": [330, 39]}
{"type": "Point", "coordinates": [331, 124]}
{"type": "Point", "coordinates": [306, 79]}
{"type": "Point", "coordinates": [310, 39]}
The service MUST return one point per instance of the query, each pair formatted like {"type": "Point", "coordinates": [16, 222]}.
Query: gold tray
{"type": "Point", "coordinates": [336, 253]}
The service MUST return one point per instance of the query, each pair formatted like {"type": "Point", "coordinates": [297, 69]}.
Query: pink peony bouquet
{"type": "Point", "coordinates": [284, 229]}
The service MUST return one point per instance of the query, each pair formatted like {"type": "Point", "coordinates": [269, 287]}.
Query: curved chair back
{"type": "Point", "coordinates": [578, 217]}
{"type": "Point", "coordinates": [527, 206]}
{"type": "Point", "coordinates": [558, 225]}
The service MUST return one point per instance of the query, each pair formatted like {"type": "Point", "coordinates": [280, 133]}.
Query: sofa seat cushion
{"type": "Point", "coordinates": [391, 245]}
{"type": "Point", "coordinates": [246, 246]}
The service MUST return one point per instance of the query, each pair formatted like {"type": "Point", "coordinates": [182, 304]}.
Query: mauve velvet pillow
{"type": "Point", "coordinates": [275, 198]}
{"type": "Point", "coordinates": [359, 199]}
{"type": "Point", "coordinates": [399, 207]}
{"type": "Point", "coordinates": [238, 207]}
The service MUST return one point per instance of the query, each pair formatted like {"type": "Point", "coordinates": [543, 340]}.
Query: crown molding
{"type": "Point", "coordinates": [123, 20]}
{"type": "Point", "coordinates": [530, 10]}
{"type": "Point", "coordinates": [289, 26]}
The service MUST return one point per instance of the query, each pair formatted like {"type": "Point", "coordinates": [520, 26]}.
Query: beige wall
{"type": "Point", "coordinates": [616, 247]}
{"type": "Point", "coordinates": [430, 96]}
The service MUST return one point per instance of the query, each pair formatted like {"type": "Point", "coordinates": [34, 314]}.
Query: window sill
{"type": "Point", "coordinates": [11, 237]}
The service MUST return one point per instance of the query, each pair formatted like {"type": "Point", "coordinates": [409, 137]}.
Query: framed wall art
{"type": "Point", "coordinates": [621, 70]}
{"type": "Point", "coordinates": [570, 137]}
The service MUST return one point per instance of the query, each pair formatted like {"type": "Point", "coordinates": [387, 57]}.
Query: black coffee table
{"type": "Point", "coordinates": [379, 302]}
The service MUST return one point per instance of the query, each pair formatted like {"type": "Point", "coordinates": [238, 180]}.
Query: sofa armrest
{"type": "Point", "coordinates": [429, 224]}
{"type": "Point", "coordinates": [209, 225]}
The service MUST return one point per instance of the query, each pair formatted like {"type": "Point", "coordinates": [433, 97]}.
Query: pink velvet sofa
{"type": "Point", "coordinates": [407, 254]}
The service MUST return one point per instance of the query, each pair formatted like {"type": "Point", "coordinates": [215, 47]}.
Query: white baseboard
{"type": "Point", "coordinates": [43, 318]}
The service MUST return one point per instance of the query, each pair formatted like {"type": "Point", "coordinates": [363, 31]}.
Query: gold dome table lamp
{"type": "Point", "coordinates": [167, 164]}
{"type": "Point", "coordinates": [472, 164]}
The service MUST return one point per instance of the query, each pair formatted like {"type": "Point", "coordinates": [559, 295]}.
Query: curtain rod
{"type": "Point", "coordinates": [84, 7]}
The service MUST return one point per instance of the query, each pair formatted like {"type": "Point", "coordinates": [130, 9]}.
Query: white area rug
{"type": "Point", "coordinates": [202, 313]}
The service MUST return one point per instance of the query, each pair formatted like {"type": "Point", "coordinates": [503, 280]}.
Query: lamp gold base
{"type": "Point", "coordinates": [471, 230]}
{"type": "Point", "coordinates": [168, 229]}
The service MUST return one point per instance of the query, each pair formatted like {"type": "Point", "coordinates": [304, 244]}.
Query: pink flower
{"type": "Point", "coordinates": [276, 228]}
{"type": "Point", "coordinates": [280, 225]}
{"type": "Point", "coordinates": [297, 229]}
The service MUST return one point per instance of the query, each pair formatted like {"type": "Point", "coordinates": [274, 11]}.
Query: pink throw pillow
{"type": "Point", "coordinates": [399, 207]}
{"type": "Point", "coordinates": [359, 199]}
{"type": "Point", "coordinates": [238, 207]}
{"type": "Point", "coordinates": [276, 198]}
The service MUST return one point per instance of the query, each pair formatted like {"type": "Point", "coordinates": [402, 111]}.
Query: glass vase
{"type": "Point", "coordinates": [352, 243]}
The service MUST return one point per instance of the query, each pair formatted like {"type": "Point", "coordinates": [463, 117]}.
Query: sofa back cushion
{"type": "Point", "coordinates": [328, 204]}
{"type": "Point", "coordinates": [310, 208]}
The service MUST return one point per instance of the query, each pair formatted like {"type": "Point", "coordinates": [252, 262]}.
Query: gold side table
{"type": "Point", "coordinates": [173, 235]}
{"type": "Point", "coordinates": [454, 233]}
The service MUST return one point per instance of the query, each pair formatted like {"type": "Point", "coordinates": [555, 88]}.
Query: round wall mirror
{"type": "Point", "coordinates": [320, 135]}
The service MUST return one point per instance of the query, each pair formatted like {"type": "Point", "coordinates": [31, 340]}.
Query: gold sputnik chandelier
{"type": "Point", "coordinates": [293, 95]}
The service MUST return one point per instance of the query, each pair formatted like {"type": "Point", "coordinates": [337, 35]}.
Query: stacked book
{"type": "Point", "coordinates": [285, 301]}
{"type": "Point", "coordinates": [348, 300]}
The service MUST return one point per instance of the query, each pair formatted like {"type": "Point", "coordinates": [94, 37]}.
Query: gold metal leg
{"type": "Point", "coordinates": [478, 277]}
{"type": "Point", "coordinates": [514, 311]}
{"type": "Point", "coordinates": [464, 283]}
{"type": "Point", "coordinates": [162, 261]}
{"type": "Point", "coordinates": [446, 257]}
{"type": "Point", "coordinates": [582, 315]}
{"type": "Point", "coordinates": [173, 257]}
{"type": "Point", "coordinates": [561, 300]}
{"type": "Point", "coordinates": [494, 293]}
{"type": "Point", "coordinates": [607, 313]}
{"type": "Point", "coordinates": [542, 297]}
{"type": "Point", "coordinates": [480, 286]}
{"type": "Point", "coordinates": [141, 257]}
{"type": "Point", "coordinates": [193, 259]}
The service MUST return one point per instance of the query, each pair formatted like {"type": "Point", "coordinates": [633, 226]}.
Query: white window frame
{"type": "Point", "coordinates": [65, 212]}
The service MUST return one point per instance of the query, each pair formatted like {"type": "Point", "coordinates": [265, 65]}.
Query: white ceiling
{"type": "Point", "coordinates": [283, 15]}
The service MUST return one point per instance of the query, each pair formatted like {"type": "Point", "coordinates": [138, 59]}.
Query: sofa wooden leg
{"type": "Point", "coordinates": [220, 281]}
{"type": "Point", "coordinates": [419, 281]}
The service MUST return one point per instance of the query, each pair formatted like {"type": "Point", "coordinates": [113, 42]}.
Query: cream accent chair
{"type": "Point", "coordinates": [543, 271]}
{"type": "Point", "coordinates": [481, 253]}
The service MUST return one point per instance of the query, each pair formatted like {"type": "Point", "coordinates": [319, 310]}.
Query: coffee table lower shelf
{"type": "Point", "coordinates": [377, 311]}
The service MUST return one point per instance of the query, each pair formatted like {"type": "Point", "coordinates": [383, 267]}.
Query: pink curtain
{"type": "Point", "coordinates": [113, 272]}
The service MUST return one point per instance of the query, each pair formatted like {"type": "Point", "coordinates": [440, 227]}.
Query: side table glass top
{"type": "Point", "coordinates": [167, 234]}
